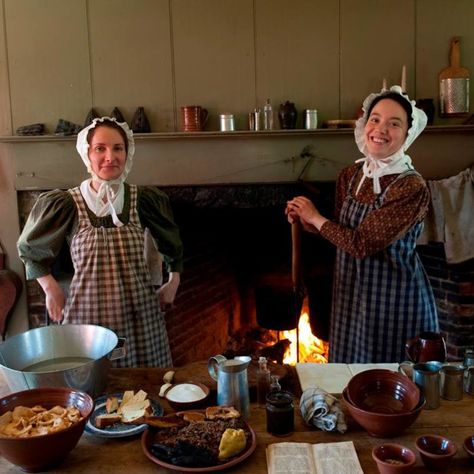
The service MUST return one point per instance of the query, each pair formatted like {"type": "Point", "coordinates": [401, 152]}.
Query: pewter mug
{"type": "Point", "coordinates": [452, 382]}
{"type": "Point", "coordinates": [427, 376]}
{"type": "Point", "coordinates": [232, 381]}
{"type": "Point", "coordinates": [469, 380]}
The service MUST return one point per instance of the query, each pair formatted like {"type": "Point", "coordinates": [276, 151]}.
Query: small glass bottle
{"type": "Point", "coordinates": [263, 381]}
{"type": "Point", "coordinates": [268, 116]}
{"type": "Point", "coordinates": [274, 384]}
{"type": "Point", "coordinates": [280, 412]}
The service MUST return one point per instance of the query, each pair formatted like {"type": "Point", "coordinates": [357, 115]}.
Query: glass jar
{"type": "Point", "coordinates": [280, 413]}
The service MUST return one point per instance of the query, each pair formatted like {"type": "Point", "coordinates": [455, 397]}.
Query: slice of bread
{"type": "Point", "coordinates": [127, 396]}
{"type": "Point", "coordinates": [102, 421]}
{"type": "Point", "coordinates": [135, 412]}
{"type": "Point", "coordinates": [111, 405]}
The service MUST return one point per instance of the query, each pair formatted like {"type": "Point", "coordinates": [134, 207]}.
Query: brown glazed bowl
{"type": "Point", "coordinates": [40, 453]}
{"type": "Point", "coordinates": [383, 391]}
{"type": "Point", "coordinates": [393, 458]}
{"type": "Point", "coordinates": [435, 451]}
{"type": "Point", "coordinates": [181, 399]}
{"type": "Point", "coordinates": [383, 425]}
{"type": "Point", "coordinates": [469, 446]}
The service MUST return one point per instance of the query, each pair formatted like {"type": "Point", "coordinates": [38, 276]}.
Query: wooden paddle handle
{"type": "Point", "coordinates": [296, 253]}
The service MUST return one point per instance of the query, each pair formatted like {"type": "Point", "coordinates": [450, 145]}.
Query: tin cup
{"type": "Point", "coordinates": [469, 380]}
{"type": "Point", "coordinates": [426, 376]}
{"type": "Point", "coordinates": [468, 358]}
{"type": "Point", "coordinates": [452, 377]}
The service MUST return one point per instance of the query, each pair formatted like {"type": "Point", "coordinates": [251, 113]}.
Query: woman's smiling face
{"type": "Point", "coordinates": [107, 153]}
{"type": "Point", "coordinates": [386, 129]}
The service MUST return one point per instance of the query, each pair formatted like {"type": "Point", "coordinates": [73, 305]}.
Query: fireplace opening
{"type": "Point", "coordinates": [247, 241]}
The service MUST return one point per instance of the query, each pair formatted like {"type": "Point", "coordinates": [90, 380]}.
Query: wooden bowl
{"type": "Point", "coordinates": [393, 458]}
{"type": "Point", "coordinates": [184, 396]}
{"type": "Point", "coordinates": [383, 391]}
{"type": "Point", "coordinates": [435, 451]}
{"type": "Point", "coordinates": [39, 453]}
{"type": "Point", "coordinates": [383, 425]}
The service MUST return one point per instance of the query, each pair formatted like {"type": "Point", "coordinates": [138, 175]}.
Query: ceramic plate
{"type": "Point", "coordinates": [147, 439]}
{"type": "Point", "coordinates": [117, 430]}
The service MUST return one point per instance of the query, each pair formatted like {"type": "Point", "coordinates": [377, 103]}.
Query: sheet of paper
{"type": "Point", "coordinates": [290, 458]}
{"type": "Point", "coordinates": [333, 377]}
{"type": "Point", "coordinates": [330, 377]}
{"type": "Point", "coordinates": [336, 458]}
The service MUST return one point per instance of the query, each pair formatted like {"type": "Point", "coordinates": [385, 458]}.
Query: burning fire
{"type": "Point", "coordinates": [311, 349]}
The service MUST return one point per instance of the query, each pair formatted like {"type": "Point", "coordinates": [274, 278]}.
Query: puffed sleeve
{"type": "Point", "coordinates": [50, 221]}
{"type": "Point", "coordinates": [155, 212]}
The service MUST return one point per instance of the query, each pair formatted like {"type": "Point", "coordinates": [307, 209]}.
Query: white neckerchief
{"type": "Point", "coordinates": [113, 191]}
{"type": "Point", "coordinates": [399, 162]}
{"type": "Point", "coordinates": [375, 168]}
{"type": "Point", "coordinates": [95, 200]}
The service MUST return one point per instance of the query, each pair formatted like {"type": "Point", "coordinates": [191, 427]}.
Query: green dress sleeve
{"type": "Point", "coordinates": [155, 212]}
{"type": "Point", "coordinates": [50, 222]}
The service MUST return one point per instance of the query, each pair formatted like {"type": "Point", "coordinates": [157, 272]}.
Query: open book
{"type": "Point", "coordinates": [333, 377]}
{"type": "Point", "coordinates": [306, 458]}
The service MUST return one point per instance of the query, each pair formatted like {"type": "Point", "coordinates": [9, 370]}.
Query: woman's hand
{"type": "Point", "coordinates": [55, 299]}
{"type": "Point", "coordinates": [303, 209]}
{"type": "Point", "coordinates": [167, 292]}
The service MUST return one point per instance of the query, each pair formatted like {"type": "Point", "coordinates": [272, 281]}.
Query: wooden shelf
{"type": "Point", "coordinates": [432, 129]}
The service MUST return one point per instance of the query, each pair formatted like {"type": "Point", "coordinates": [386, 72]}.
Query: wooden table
{"type": "Point", "coordinates": [452, 419]}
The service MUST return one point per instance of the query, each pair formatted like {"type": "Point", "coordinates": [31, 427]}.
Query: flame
{"type": "Point", "coordinates": [311, 349]}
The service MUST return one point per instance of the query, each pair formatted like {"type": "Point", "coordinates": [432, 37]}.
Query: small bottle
{"type": "Point", "coordinates": [268, 116]}
{"type": "Point", "coordinates": [263, 381]}
{"type": "Point", "coordinates": [274, 384]}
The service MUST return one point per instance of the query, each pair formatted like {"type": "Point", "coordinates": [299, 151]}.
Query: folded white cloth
{"type": "Point", "coordinates": [450, 217]}
{"type": "Point", "coordinates": [321, 409]}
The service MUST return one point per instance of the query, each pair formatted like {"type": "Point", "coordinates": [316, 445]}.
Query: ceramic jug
{"type": "Point", "coordinates": [287, 115]}
{"type": "Point", "coordinates": [427, 346]}
{"type": "Point", "coordinates": [232, 381]}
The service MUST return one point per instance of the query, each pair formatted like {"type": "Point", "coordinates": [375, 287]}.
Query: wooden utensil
{"type": "Point", "coordinates": [454, 84]}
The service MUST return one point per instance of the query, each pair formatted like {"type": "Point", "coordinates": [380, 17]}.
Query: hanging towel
{"type": "Point", "coordinates": [450, 218]}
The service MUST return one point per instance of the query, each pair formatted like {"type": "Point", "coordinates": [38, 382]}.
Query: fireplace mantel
{"type": "Point", "coordinates": [204, 158]}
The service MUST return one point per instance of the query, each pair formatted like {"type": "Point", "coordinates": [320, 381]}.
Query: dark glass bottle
{"type": "Point", "coordinates": [280, 412]}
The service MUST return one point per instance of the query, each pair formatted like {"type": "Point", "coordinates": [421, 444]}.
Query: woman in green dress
{"type": "Point", "coordinates": [104, 222]}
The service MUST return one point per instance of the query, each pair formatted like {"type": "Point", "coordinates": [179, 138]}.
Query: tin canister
{"type": "Point", "coordinates": [310, 119]}
{"type": "Point", "coordinates": [226, 122]}
{"type": "Point", "coordinates": [254, 120]}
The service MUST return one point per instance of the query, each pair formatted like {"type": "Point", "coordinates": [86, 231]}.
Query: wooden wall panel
{"type": "Point", "coordinates": [436, 25]}
{"type": "Point", "coordinates": [131, 59]}
{"type": "Point", "coordinates": [48, 61]}
{"type": "Point", "coordinates": [297, 50]}
{"type": "Point", "coordinates": [214, 57]}
{"type": "Point", "coordinates": [5, 116]}
{"type": "Point", "coordinates": [377, 39]}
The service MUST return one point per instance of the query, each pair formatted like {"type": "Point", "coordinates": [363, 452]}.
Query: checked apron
{"type": "Point", "coordinates": [111, 286]}
{"type": "Point", "coordinates": [381, 300]}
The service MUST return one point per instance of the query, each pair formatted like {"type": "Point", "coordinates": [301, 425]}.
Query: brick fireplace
{"type": "Point", "coordinates": [233, 236]}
